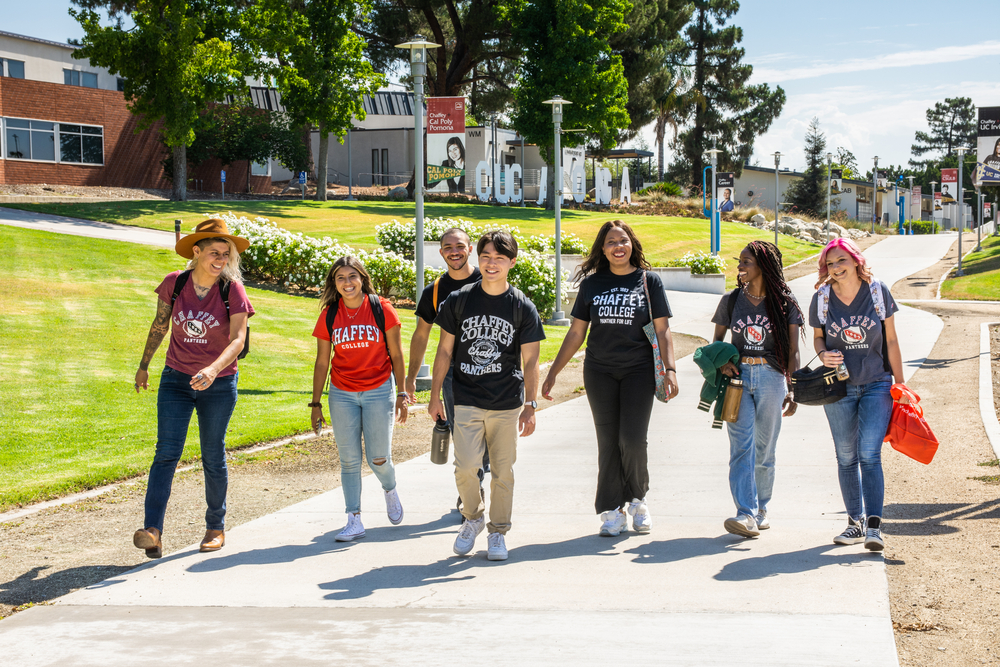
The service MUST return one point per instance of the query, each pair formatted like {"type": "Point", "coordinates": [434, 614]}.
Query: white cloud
{"type": "Point", "coordinates": [944, 54]}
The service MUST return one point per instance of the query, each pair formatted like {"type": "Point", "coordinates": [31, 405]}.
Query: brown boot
{"type": "Point", "coordinates": [149, 539]}
{"type": "Point", "coordinates": [213, 540]}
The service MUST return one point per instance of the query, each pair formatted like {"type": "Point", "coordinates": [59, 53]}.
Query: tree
{"type": "Point", "coordinates": [729, 109]}
{"type": "Point", "coordinates": [321, 71]}
{"type": "Point", "coordinates": [951, 124]}
{"type": "Point", "coordinates": [671, 109]}
{"type": "Point", "coordinates": [845, 160]}
{"type": "Point", "coordinates": [809, 193]}
{"type": "Point", "coordinates": [176, 60]}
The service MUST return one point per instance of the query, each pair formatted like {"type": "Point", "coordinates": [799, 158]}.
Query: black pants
{"type": "Point", "coordinates": [621, 402]}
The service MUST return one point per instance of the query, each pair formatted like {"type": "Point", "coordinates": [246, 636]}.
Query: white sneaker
{"type": "Point", "coordinates": [467, 534]}
{"type": "Point", "coordinates": [393, 507]}
{"type": "Point", "coordinates": [353, 530]}
{"type": "Point", "coordinates": [744, 525]}
{"type": "Point", "coordinates": [615, 521]}
{"type": "Point", "coordinates": [873, 534]}
{"type": "Point", "coordinates": [641, 521]}
{"type": "Point", "coordinates": [763, 523]}
{"type": "Point", "coordinates": [497, 548]}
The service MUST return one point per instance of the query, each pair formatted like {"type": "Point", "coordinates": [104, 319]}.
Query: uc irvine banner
{"type": "Point", "coordinates": [988, 148]}
{"type": "Point", "coordinates": [446, 144]}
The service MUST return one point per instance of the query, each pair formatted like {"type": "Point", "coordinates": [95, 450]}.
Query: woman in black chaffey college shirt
{"type": "Point", "coordinates": [618, 372]}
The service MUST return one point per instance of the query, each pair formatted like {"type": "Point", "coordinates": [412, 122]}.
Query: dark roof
{"type": "Point", "coordinates": [37, 39]}
{"type": "Point", "coordinates": [623, 154]}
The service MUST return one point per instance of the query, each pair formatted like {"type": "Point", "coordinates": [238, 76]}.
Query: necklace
{"type": "Point", "coordinates": [356, 311]}
{"type": "Point", "coordinates": [746, 290]}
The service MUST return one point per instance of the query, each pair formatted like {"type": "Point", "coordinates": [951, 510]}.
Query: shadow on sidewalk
{"type": "Point", "coordinates": [928, 518]}
{"type": "Point", "coordinates": [37, 585]}
{"type": "Point", "coordinates": [793, 562]}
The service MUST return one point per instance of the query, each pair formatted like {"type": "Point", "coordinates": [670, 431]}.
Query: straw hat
{"type": "Point", "coordinates": [209, 229]}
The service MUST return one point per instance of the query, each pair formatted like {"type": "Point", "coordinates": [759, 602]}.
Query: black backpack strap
{"type": "Point", "coordinates": [731, 305]}
{"type": "Point", "coordinates": [331, 315]}
{"type": "Point", "coordinates": [179, 284]}
{"type": "Point", "coordinates": [517, 319]}
{"type": "Point", "coordinates": [379, 314]}
{"type": "Point", "coordinates": [224, 291]}
{"type": "Point", "coordinates": [460, 301]}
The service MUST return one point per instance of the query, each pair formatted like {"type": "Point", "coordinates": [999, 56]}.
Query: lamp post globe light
{"type": "Point", "coordinates": [777, 161]}
{"type": "Point", "coordinates": [557, 102]}
{"type": "Point", "coordinates": [961, 208]}
{"type": "Point", "coordinates": [829, 187]}
{"type": "Point", "coordinates": [418, 68]}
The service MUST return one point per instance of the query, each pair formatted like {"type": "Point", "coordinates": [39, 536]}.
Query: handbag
{"type": "Point", "coordinates": [659, 372]}
{"type": "Point", "coordinates": [817, 387]}
{"type": "Point", "coordinates": [908, 431]}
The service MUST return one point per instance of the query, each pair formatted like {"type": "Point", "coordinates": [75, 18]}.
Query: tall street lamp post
{"type": "Point", "coordinates": [829, 186]}
{"type": "Point", "coordinates": [777, 195]}
{"type": "Point", "coordinates": [715, 225]}
{"type": "Point", "coordinates": [557, 102]}
{"type": "Point", "coordinates": [418, 67]}
{"type": "Point", "coordinates": [933, 209]}
{"type": "Point", "coordinates": [874, 193]}
{"type": "Point", "coordinates": [909, 216]}
{"type": "Point", "coordinates": [979, 227]}
{"type": "Point", "coordinates": [961, 208]}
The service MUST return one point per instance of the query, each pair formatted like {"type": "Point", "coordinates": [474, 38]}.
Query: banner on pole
{"type": "Point", "coordinates": [446, 144]}
{"type": "Point", "coordinates": [725, 184]}
{"type": "Point", "coordinates": [949, 186]}
{"type": "Point", "coordinates": [836, 181]}
{"type": "Point", "coordinates": [988, 148]}
{"type": "Point", "coordinates": [987, 211]}
{"type": "Point", "coordinates": [916, 211]}
{"type": "Point", "coordinates": [574, 174]}
{"type": "Point", "coordinates": [938, 211]}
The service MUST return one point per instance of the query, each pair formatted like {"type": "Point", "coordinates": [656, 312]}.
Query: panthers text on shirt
{"type": "Point", "coordinates": [195, 326]}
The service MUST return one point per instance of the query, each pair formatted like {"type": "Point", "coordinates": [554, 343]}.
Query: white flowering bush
{"type": "Point", "coordinates": [536, 277]}
{"type": "Point", "coordinates": [571, 244]}
{"type": "Point", "coordinates": [401, 237]}
{"type": "Point", "coordinates": [701, 262]}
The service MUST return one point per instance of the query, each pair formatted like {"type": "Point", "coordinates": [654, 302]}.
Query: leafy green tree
{"type": "Point", "coordinates": [730, 109]}
{"type": "Point", "coordinates": [320, 67]}
{"type": "Point", "coordinates": [809, 193]}
{"type": "Point", "coordinates": [951, 125]}
{"type": "Point", "coordinates": [176, 60]}
{"type": "Point", "coordinates": [845, 160]}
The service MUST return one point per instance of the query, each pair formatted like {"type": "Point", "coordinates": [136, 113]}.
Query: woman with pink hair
{"type": "Point", "coordinates": [854, 328]}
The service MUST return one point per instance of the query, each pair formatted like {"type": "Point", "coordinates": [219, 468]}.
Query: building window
{"type": "Point", "coordinates": [31, 140]}
{"type": "Point", "coordinates": [121, 85]}
{"type": "Point", "coordinates": [72, 77]}
{"type": "Point", "coordinates": [260, 169]}
{"type": "Point", "coordinates": [81, 144]}
{"type": "Point", "coordinates": [12, 68]}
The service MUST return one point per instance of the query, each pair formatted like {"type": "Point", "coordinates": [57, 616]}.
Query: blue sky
{"type": "Point", "coordinates": [867, 70]}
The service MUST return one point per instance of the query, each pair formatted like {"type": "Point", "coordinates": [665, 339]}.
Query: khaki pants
{"type": "Point", "coordinates": [476, 430]}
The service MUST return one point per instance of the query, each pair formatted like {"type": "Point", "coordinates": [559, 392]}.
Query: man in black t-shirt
{"type": "Point", "coordinates": [488, 329]}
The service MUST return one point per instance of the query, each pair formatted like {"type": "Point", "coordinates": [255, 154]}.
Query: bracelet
{"type": "Point", "coordinates": [402, 393]}
{"type": "Point", "coordinates": [315, 404]}
{"type": "Point", "coordinates": [669, 369]}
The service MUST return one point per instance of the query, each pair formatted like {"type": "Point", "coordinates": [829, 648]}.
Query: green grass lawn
{"type": "Point", "coordinates": [982, 275]}
{"type": "Point", "coordinates": [354, 223]}
{"type": "Point", "coordinates": [74, 314]}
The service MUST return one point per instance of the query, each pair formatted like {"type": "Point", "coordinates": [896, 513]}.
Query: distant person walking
{"type": "Point", "coordinates": [490, 329]}
{"type": "Point", "coordinates": [618, 371]}
{"type": "Point", "coordinates": [852, 315]}
{"type": "Point", "coordinates": [763, 320]}
{"type": "Point", "coordinates": [361, 330]}
{"type": "Point", "coordinates": [206, 310]}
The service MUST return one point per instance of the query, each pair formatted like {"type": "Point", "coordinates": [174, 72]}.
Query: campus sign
{"type": "Point", "coordinates": [949, 186]}
{"type": "Point", "coordinates": [446, 144]}
{"type": "Point", "coordinates": [725, 184]}
{"type": "Point", "coordinates": [988, 148]}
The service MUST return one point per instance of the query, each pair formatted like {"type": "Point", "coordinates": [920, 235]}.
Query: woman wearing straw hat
{"type": "Point", "coordinates": [206, 309]}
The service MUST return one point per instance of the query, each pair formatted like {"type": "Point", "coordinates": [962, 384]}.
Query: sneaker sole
{"type": "Point", "coordinates": [874, 546]}
{"type": "Point", "coordinates": [348, 538]}
{"type": "Point", "coordinates": [642, 530]}
{"type": "Point", "coordinates": [766, 526]}
{"type": "Point", "coordinates": [846, 542]}
{"type": "Point", "coordinates": [607, 533]}
{"type": "Point", "coordinates": [496, 556]}
{"type": "Point", "coordinates": [737, 528]}
{"type": "Point", "coordinates": [397, 521]}
{"type": "Point", "coordinates": [463, 553]}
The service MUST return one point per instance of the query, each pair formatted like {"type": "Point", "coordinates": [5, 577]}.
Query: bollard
{"type": "Point", "coordinates": [177, 231]}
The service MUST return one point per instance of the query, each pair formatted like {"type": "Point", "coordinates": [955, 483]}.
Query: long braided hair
{"type": "Point", "coordinates": [778, 299]}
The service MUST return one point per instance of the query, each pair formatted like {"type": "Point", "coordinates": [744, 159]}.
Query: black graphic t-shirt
{"type": "Point", "coordinates": [856, 330]}
{"type": "Point", "coordinates": [617, 311]}
{"type": "Point", "coordinates": [425, 307]}
{"type": "Point", "coordinates": [486, 358]}
{"type": "Point", "coordinates": [752, 330]}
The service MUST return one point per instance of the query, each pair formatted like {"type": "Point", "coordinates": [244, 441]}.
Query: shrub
{"type": "Point", "coordinates": [924, 226]}
{"type": "Point", "coordinates": [665, 187]}
{"type": "Point", "coordinates": [701, 262]}
{"type": "Point", "coordinates": [536, 277]}
{"type": "Point", "coordinates": [571, 244]}
{"type": "Point", "coordinates": [400, 237]}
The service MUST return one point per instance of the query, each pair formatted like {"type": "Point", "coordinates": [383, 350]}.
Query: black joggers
{"type": "Point", "coordinates": [621, 402]}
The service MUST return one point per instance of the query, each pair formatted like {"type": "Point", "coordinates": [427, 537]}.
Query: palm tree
{"type": "Point", "coordinates": [672, 105]}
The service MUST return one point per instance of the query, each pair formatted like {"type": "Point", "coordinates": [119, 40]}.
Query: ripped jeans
{"type": "Point", "coordinates": [368, 413]}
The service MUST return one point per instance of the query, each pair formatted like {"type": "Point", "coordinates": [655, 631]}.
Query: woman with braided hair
{"type": "Point", "coordinates": [764, 320]}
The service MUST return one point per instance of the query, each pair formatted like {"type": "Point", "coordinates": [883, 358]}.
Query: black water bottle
{"type": "Point", "coordinates": [440, 439]}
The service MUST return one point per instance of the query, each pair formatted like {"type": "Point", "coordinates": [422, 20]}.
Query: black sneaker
{"type": "Point", "coordinates": [855, 533]}
{"type": "Point", "coordinates": [873, 534]}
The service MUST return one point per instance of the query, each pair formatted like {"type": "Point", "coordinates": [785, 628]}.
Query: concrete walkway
{"type": "Point", "coordinates": [91, 228]}
{"type": "Point", "coordinates": [284, 592]}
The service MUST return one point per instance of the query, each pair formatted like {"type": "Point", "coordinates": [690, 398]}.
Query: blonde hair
{"type": "Point", "coordinates": [231, 271]}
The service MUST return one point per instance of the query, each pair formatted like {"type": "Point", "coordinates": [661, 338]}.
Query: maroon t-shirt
{"type": "Point", "coordinates": [199, 330]}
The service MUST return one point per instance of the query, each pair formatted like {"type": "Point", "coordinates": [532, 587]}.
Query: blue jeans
{"type": "Point", "coordinates": [754, 436]}
{"type": "Point", "coordinates": [368, 413]}
{"type": "Point", "coordinates": [858, 423]}
{"type": "Point", "coordinates": [175, 402]}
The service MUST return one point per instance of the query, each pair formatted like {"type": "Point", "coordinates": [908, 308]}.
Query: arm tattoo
{"type": "Point", "coordinates": [157, 331]}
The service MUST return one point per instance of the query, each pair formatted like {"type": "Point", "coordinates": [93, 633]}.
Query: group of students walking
{"type": "Point", "coordinates": [486, 376]}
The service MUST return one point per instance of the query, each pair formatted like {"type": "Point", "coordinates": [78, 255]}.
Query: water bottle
{"type": "Point", "coordinates": [842, 373]}
{"type": "Point", "coordinates": [731, 403]}
{"type": "Point", "coordinates": [440, 438]}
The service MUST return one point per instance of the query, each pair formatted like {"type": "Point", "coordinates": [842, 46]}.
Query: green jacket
{"type": "Point", "coordinates": [710, 359]}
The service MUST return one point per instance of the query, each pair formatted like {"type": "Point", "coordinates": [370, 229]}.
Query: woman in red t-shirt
{"type": "Point", "coordinates": [366, 358]}
{"type": "Point", "coordinates": [206, 337]}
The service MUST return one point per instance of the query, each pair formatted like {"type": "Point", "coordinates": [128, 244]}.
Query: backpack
{"type": "Point", "coordinates": [516, 318]}
{"type": "Point", "coordinates": [182, 279]}
{"type": "Point", "coordinates": [376, 304]}
{"type": "Point", "coordinates": [875, 287]}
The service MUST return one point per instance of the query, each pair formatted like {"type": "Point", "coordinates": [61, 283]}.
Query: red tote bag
{"type": "Point", "coordinates": [908, 430]}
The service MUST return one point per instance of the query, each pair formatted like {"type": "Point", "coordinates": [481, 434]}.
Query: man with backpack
{"type": "Point", "coordinates": [489, 329]}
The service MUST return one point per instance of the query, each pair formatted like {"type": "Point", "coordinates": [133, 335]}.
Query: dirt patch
{"type": "Point", "coordinates": [56, 551]}
{"type": "Point", "coordinates": [70, 191]}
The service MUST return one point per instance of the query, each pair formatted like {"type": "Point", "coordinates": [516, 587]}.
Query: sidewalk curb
{"type": "Point", "coordinates": [987, 409]}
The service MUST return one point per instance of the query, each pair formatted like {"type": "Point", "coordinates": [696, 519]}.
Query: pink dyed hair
{"type": "Point", "coordinates": [852, 249]}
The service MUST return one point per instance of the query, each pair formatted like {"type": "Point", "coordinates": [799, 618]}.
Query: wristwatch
{"type": "Point", "coordinates": [533, 404]}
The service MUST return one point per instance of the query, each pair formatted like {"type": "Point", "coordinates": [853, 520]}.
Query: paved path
{"type": "Point", "coordinates": [91, 228]}
{"type": "Point", "coordinates": [283, 591]}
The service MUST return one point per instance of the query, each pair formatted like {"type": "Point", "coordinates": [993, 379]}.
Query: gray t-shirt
{"type": "Point", "coordinates": [856, 330]}
{"type": "Point", "coordinates": [751, 328]}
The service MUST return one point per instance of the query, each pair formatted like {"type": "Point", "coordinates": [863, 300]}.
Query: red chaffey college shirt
{"type": "Point", "coordinates": [360, 359]}
{"type": "Point", "coordinates": [199, 328]}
